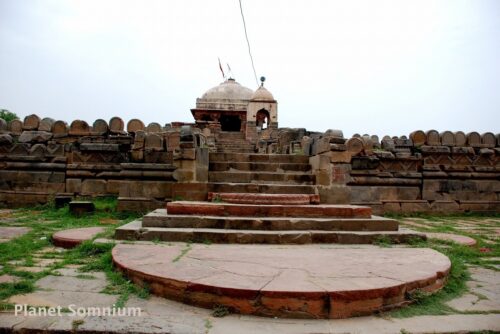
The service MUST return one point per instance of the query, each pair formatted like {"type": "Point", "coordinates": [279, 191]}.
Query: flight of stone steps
{"type": "Point", "coordinates": [264, 219]}
{"type": "Point", "coordinates": [260, 173]}
{"type": "Point", "coordinates": [233, 142]}
{"type": "Point", "coordinates": [262, 198]}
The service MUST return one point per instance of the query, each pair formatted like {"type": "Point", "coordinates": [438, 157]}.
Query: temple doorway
{"type": "Point", "coordinates": [230, 123]}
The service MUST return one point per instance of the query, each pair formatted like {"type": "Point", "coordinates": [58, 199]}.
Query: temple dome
{"type": "Point", "coordinates": [228, 90]}
{"type": "Point", "coordinates": [262, 94]}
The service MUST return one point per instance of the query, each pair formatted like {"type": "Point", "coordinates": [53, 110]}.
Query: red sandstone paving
{"type": "Point", "coordinates": [460, 239]}
{"type": "Point", "coordinates": [9, 233]}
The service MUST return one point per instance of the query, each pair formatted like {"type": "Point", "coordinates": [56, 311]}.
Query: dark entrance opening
{"type": "Point", "coordinates": [230, 123]}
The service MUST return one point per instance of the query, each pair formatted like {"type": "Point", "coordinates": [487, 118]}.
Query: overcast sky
{"type": "Point", "coordinates": [376, 67]}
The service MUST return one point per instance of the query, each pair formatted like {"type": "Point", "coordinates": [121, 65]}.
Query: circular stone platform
{"type": "Point", "coordinates": [75, 236]}
{"type": "Point", "coordinates": [306, 281]}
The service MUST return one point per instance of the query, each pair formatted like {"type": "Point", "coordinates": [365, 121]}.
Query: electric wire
{"type": "Point", "coordinates": [248, 44]}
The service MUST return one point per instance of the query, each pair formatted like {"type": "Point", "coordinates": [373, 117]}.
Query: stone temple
{"type": "Point", "coordinates": [266, 207]}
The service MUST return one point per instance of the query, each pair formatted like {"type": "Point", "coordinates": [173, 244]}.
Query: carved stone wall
{"type": "Point", "coordinates": [42, 158]}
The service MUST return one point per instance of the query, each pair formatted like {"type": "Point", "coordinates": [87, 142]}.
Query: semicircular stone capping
{"type": "Point", "coordinates": [447, 138]}
{"type": "Point", "coordinates": [16, 126]}
{"type": "Point", "coordinates": [75, 236]}
{"type": "Point", "coordinates": [31, 122]}
{"type": "Point", "coordinates": [354, 145]}
{"type": "Point", "coordinates": [418, 137]}
{"type": "Point", "coordinates": [460, 138]}
{"type": "Point", "coordinates": [116, 124]}
{"type": "Point", "coordinates": [60, 128]}
{"type": "Point", "coordinates": [283, 281]}
{"type": "Point", "coordinates": [153, 127]}
{"type": "Point", "coordinates": [474, 139]}
{"type": "Point", "coordinates": [100, 126]}
{"type": "Point", "coordinates": [488, 139]}
{"type": "Point", "coordinates": [46, 124]}
{"type": "Point", "coordinates": [432, 138]}
{"type": "Point", "coordinates": [135, 125]}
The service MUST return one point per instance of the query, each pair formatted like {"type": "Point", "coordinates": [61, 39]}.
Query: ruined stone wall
{"type": "Point", "coordinates": [425, 172]}
{"type": "Point", "coordinates": [42, 158]}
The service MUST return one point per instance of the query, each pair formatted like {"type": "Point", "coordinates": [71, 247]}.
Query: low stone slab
{"type": "Point", "coordinates": [252, 210]}
{"type": "Point", "coordinates": [73, 237]}
{"type": "Point", "coordinates": [459, 239]}
{"type": "Point", "coordinates": [278, 281]}
{"type": "Point", "coordinates": [9, 233]}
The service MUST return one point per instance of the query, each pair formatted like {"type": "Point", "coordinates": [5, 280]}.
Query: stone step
{"type": "Point", "coordinates": [220, 166]}
{"type": "Point", "coordinates": [160, 218]}
{"type": "Point", "coordinates": [253, 198]}
{"type": "Point", "coordinates": [266, 188]}
{"type": "Point", "coordinates": [245, 157]}
{"type": "Point", "coordinates": [261, 177]}
{"type": "Point", "coordinates": [262, 210]}
{"type": "Point", "coordinates": [135, 231]}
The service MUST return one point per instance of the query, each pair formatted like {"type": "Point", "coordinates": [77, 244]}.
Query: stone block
{"type": "Point", "coordinates": [100, 126]}
{"type": "Point", "coordinates": [155, 156]}
{"type": "Point", "coordinates": [62, 200]}
{"type": "Point", "coordinates": [340, 157]}
{"type": "Point", "coordinates": [418, 137]}
{"type": "Point", "coordinates": [365, 162]}
{"type": "Point", "coordinates": [99, 147]}
{"type": "Point", "coordinates": [447, 138]}
{"type": "Point", "coordinates": [116, 125]}
{"type": "Point", "coordinates": [320, 162]}
{"type": "Point", "coordinates": [79, 208]}
{"type": "Point", "coordinates": [355, 145]}
{"type": "Point", "coordinates": [435, 149]}
{"type": "Point", "coordinates": [34, 136]}
{"type": "Point", "coordinates": [463, 150]}
{"type": "Point", "coordinates": [414, 206]}
{"type": "Point", "coordinates": [79, 128]}
{"type": "Point", "coordinates": [341, 173]}
{"type": "Point", "coordinates": [38, 150]}
{"type": "Point", "coordinates": [146, 189]}
{"type": "Point", "coordinates": [46, 124]}
{"type": "Point", "coordinates": [73, 186]}
{"type": "Point", "coordinates": [31, 122]}
{"type": "Point", "coordinates": [153, 127]}
{"type": "Point", "coordinates": [60, 129]}
{"type": "Point", "coordinates": [488, 140]}
{"type": "Point", "coordinates": [445, 206]}
{"type": "Point", "coordinates": [16, 126]}
{"type": "Point", "coordinates": [433, 138]}
{"type": "Point", "coordinates": [135, 125]}
{"type": "Point", "coordinates": [460, 139]}
{"type": "Point", "coordinates": [334, 194]}
{"type": "Point", "coordinates": [190, 191]}
{"type": "Point", "coordinates": [392, 207]}
{"type": "Point", "coordinates": [321, 145]}
{"type": "Point", "coordinates": [113, 187]}
{"type": "Point", "coordinates": [94, 187]}
{"type": "Point", "coordinates": [473, 139]}
{"type": "Point", "coordinates": [5, 139]}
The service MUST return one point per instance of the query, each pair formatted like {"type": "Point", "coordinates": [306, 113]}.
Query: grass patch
{"type": "Point", "coordinates": [45, 220]}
